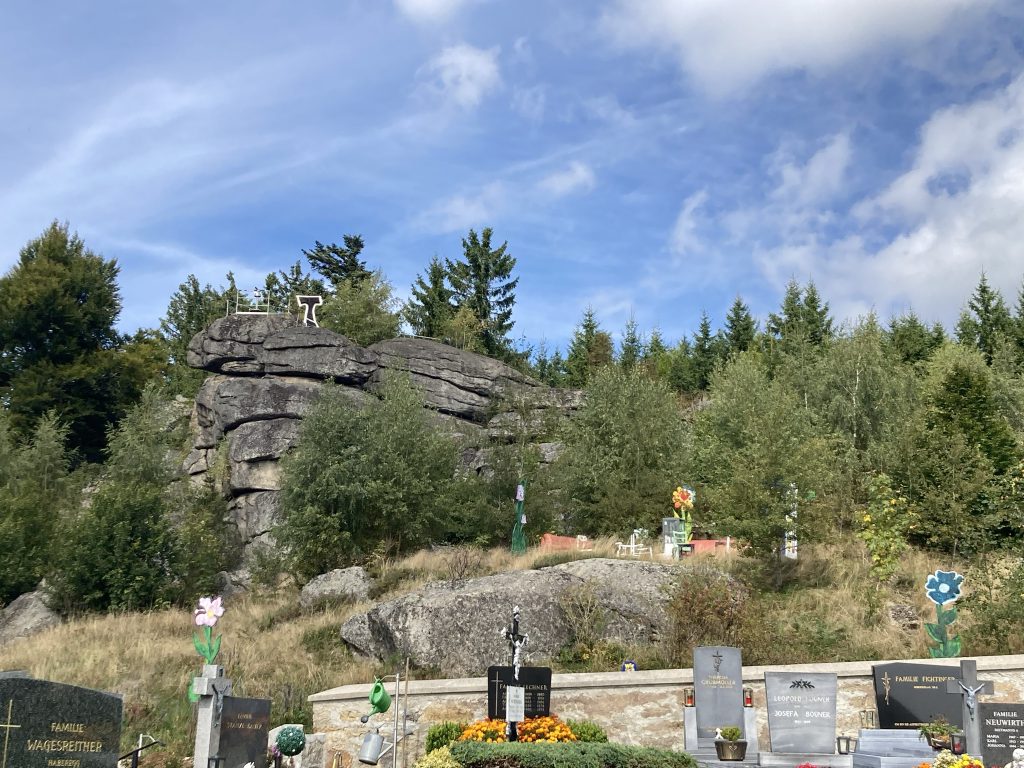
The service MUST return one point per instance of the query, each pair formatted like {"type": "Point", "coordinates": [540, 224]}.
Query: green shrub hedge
{"type": "Point", "coordinates": [566, 755]}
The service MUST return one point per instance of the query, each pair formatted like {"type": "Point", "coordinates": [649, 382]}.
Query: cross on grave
{"type": "Point", "coordinates": [7, 732]}
{"type": "Point", "coordinates": [968, 686]}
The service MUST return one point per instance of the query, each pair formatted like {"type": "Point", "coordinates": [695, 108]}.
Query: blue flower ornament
{"type": "Point", "coordinates": [943, 586]}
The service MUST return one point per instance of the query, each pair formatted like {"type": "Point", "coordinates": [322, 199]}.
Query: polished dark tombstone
{"type": "Point", "coordinates": [536, 681]}
{"type": "Point", "coordinates": [801, 711]}
{"type": "Point", "coordinates": [1002, 731]}
{"type": "Point", "coordinates": [718, 689]}
{"type": "Point", "coordinates": [244, 724]}
{"type": "Point", "coordinates": [53, 725]}
{"type": "Point", "coordinates": [910, 695]}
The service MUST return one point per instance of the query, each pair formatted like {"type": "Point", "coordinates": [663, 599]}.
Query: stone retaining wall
{"type": "Point", "coordinates": [633, 707]}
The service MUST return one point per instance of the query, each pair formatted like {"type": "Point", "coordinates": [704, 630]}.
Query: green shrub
{"type": "Point", "coordinates": [732, 733]}
{"type": "Point", "coordinates": [566, 755]}
{"type": "Point", "coordinates": [443, 734]}
{"type": "Point", "coordinates": [588, 731]}
{"type": "Point", "coordinates": [438, 758]}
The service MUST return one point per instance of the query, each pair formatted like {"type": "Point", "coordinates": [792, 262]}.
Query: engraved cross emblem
{"type": "Point", "coordinates": [7, 732]}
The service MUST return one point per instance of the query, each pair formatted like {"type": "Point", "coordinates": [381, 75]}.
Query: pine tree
{"type": "Point", "coordinates": [817, 325]}
{"type": "Point", "coordinates": [631, 350]}
{"type": "Point", "coordinates": [339, 263]}
{"type": "Point", "coordinates": [581, 346]}
{"type": "Point", "coordinates": [910, 340]}
{"type": "Point", "coordinates": [657, 359]}
{"type": "Point", "coordinates": [481, 281]}
{"type": "Point", "coordinates": [789, 320]}
{"type": "Point", "coordinates": [429, 309]}
{"type": "Point", "coordinates": [705, 352]}
{"type": "Point", "coordinates": [986, 322]}
{"type": "Point", "coordinates": [740, 328]}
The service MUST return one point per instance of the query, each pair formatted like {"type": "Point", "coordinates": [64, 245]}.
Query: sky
{"type": "Point", "coordinates": [646, 158]}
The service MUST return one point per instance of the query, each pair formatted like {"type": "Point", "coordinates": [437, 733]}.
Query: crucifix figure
{"type": "Point", "coordinates": [968, 686]}
{"type": "Point", "coordinates": [516, 641]}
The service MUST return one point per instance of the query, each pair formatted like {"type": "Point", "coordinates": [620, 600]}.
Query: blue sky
{"type": "Point", "coordinates": [654, 157]}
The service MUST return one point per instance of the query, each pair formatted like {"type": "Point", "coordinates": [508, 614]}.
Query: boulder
{"type": "Point", "coordinates": [26, 615]}
{"type": "Point", "coordinates": [352, 584]}
{"type": "Point", "coordinates": [262, 440]}
{"type": "Point", "coordinates": [224, 403]}
{"type": "Point", "coordinates": [231, 344]}
{"type": "Point", "coordinates": [419, 624]}
{"type": "Point", "coordinates": [451, 380]}
{"type": "Point", "coordinates": [318, 352]}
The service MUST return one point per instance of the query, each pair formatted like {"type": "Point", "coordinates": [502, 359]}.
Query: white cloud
{"type": "Point", "coordinates": [957, 211]}
{"type": "Point", "coordinates": [460, 212]}
{"type": "Point", "coordinates": [820, 178]}
{"type": "Point", "coordinates": [530, 102]}
{"type": "Point", "coordinates": [577, 177]}
{"type": "Point", "coordinates": [430, 11]}
{"type": "Point", "coordinates": [462, 75]}
{"type": "Point", "coordinates": [684, 240]}
{"type": "Point", "coordinates": [728, 44]}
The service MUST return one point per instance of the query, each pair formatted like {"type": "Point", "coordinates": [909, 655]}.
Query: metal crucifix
{"type": "Point", "coordinates": [968, 686]}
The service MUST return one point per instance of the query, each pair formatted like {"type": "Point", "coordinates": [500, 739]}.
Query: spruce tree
{"type": "Point", "coordinates": [986, 322]}
{"type": "Point", "coordinates": [429, 309]}
{"type": "Point", "coordinates": [631, 350]}
{"type": "Point", "coordinates": [482, 282]}
{"type": "Point", "coordinates": [705, 352]}
{"type": "Point", "coordinates": [338, 263]}
{"type": "Point", "coordinates": [581, 347]}
{"type": "Point", "coordinates": [740, 328]}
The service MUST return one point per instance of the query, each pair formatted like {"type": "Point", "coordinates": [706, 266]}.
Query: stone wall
{"type": "Point", "coordinates": [642, 707]}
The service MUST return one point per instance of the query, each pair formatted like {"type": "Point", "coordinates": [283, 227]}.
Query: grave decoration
{"type": "Point", "coordinates": [519, 526]}
{"type": "Point", "coordinates": [210, 609]}
{"type": "Point", "coordinates": [48, 724]}
{"type": "Point", "coordinates": [801, 711]}
{"type": "Point", "coordinates": [943, 588]}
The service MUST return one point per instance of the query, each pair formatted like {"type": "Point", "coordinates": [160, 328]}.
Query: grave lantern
{"type": "Point", "coordinates": [748, 697]}
{"type": "Point", "coordinates": [688, 696]}
{"type": "Point", "coordinates": [956, 743]}
{"type": "Point", "coordinates": [843, 744]}
{"type": "Point", "coordinates": [867, 719]}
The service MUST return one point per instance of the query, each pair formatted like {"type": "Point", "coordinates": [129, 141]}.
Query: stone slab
{"type": "Point", "coordinates": [801, 711]}
{"type": "Point", "coordinates": [791, 760]}
{"type": "Point", "coordinates": [718, 688]}
{"type": "Point", "coordinates": [907, 695]}
{"type": "Point", "coordinates": [1002, 731]}
{"type": "Point", "coordinates": [244, 724]}
{"type": "Point", "coordinates": [52, 724]}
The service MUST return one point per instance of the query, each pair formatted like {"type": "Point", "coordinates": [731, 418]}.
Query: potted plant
{"type": "Point", "coordinates": [939, 732]}
{"type": "Point", "coordinates": [731, 745]}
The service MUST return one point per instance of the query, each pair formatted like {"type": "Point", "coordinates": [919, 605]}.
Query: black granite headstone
{"type": "Point", "coordinates": [718, 688]}
{"type": "Point", "coordinates": [1002, 731]}
{"type": "Point", "coordinates": [244, 724]}
{"type": "Point", "coordinates": [53, 725]}
{"type": "Point", "coordinates": [536, 681]}
{"type": "Point", "coordinates": [910, 695]}
{"type": "Point", "coordinates": [801, 711]}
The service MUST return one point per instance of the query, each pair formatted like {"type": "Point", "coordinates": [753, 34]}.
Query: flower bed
{"type": "Point", "coordinates": [566, 755]}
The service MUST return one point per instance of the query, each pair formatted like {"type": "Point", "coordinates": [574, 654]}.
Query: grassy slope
{"type": "Point", "coordinates": [272, 649]}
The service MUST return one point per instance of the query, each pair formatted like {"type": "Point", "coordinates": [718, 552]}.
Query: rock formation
{"type": "Point", "coordinates": [266, 371]}
{"type": "Point", "coordinates": [631, 595]}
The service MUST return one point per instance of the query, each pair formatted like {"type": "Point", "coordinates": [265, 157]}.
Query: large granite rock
{"type": "Point", "coordinates": [340, 584]}
{"type": "Point", "coordinates": [316, 352]}
{"type": "Point", "coordinates": [254, 516]}
{"type": "Point", "coordinates": [632, 595]}
{"type": "Point", "coordinates": [231, 344]}
{"type": "Point", "coordinates": [451, 380]}
{"type": "Point", "coordinates": [26, 615]}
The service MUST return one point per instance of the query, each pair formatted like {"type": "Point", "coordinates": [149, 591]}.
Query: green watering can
{"type": "Point", "coordinates": [379, 699]}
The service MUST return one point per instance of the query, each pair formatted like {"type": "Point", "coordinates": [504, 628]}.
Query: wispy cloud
{"type": "Point", "coordinates": [463, 211]}
{"type": "Point", "coordinates": [684, 240]}
{"type": "Point", "coordinates": [461, 75]}
{"type": "Point", "coordinates": [430, 11]}
{"type": "Point", "coordinates": [577, 177]}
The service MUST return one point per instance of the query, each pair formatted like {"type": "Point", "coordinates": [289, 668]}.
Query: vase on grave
{"type": "Point", "coordinates": [731, 750]}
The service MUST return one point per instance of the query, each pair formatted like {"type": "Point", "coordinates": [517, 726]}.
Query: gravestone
{"type": "Point", "coordinates": [718, 689]}
{"type": "Point", "coordinates": [536, 682]}
{"type": "Point", "coordinates": [244, 724]}
{"type": "Point", "coordinates": [53, 725]}
{"type": "Point", "coordinates": [801, 711]}
{"type": "Point", "coordinates": [1002, 731]}
{"type": "Point", "coordinates": [910, 695]}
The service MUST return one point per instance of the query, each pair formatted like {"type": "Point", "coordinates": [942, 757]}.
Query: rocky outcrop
{"type": "Point", "coordinates": [352, 584]}
{"type": "Point", "coordinates": [631, 596]}
{"type": "Point", "coordinates": [266, 372]}
{"type": "Point", "coordinates": [27, 615]}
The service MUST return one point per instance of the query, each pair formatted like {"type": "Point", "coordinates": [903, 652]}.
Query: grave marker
{"type": "Point", "coordinates": [1002, 731]}
{"type": "Point", "coordinates": [536, 684]}
{"type": "Point", "coordinates": [718, 688]}
{"type": "Point", "coordinates": [801, 711]}
{"type": "Point", "coordinates": [53, 725]}
{"type": "Point", "coordinates": [244, 724]}
{"type": "Point", "coordinates": [910, 695]}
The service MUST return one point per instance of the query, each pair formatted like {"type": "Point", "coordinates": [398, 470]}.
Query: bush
{"type": "Point", "coordinates": [438, 758]}
{"type": "Point", "coordinates": [571, 755]}
{"type": "Point", "coordinates": [588, 731]}
{"type": "Point", "coordinates": [442, 734]}
{"type": "Point", "coordinates": [706, 607]}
